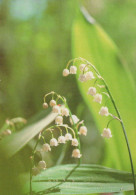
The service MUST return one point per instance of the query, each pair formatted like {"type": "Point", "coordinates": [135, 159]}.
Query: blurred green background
{"type": "Point", "coordinates": [35, 45]}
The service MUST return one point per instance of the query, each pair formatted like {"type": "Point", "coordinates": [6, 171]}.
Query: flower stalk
{"type": "Point", "coordinates": [98, 99]}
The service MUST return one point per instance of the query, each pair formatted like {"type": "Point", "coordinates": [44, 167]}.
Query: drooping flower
{"type": "Point", "coordinates": [65, 112]}
{"type": "Point", "coordinates": [35, 171]}
{"type": "Point", "coordinates": [45, 105]}
{"type": "Point", "coordinates": [76, 153]}
{"type": "Point", "coordinates": [56, 109]}
{"type": "Point", "coordinates": [83, 130]}
{"type": "Point", "coordinates": [106, 133]}
{"type": "Point", "coordinates": [61, 139]}
{"type": "Point", "coordinates": [98, 98]}
{"type": "Point", "coordinates": [53, 142]}
{"type": "Point", "coordinates": [73, 69]}
{"type": "Point", "coordinates": [68, 136]}
{"type": "Point", "coordinates": [65, 72]}
{"type": "Point", "coordinates": [46, 147]}
{"type": "Point", "coordinates": [74, 142]}
{"type": "Point", "coordinates": [75, 119]}
{"type": "Point", "coordinates": [89, 75]}
{"type": "Point", "coordinates": [52, 103]}
{"type": "Point", "coordinates": [59, 120]}
{"type": "Point", "coordinates": [82, 78]}
{"type": "Point", "coordinates": [41, 165]}
{"type": "Point", "coordinates": [83, 67]}
{"type": "Point", "coordinates": [91, 91]}
{"type": "Point", "coordinates": [104, 111]}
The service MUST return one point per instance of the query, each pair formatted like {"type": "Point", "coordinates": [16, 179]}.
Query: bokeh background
{"type": "Point", "coordinates": [35, 45]}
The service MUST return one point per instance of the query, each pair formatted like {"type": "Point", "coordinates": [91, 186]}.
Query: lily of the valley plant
{"type": "Point", "coordinates": [89, 72]}
{"type": "Point", "coordinates": [68, 132]}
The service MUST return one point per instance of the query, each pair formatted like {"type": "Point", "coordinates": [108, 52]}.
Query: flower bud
{"type": "Point", "coordinates": [82, 78]}
{"type": "Point", "coordinates": [91, 91]}
{"type": "Point", "coordinates": [65, 72]}
{"type": "Point", "coordinates": [45, 105]}
{"type": "Point", "coordinates": [53, 142]}
{"type": "Point", "coordinates": [83, 130]}
{"type": "Point", "coordinates": [106, 133]}
{"type": "Point", "coordinates": [68, 136]}
{"type": "Point", "coordinates": [98, 98]}
{"type": "Point", "coordinates": [46, 147]}
{"type": "Point", "coordinates": [73, 69]}
{"type": "Point", "coordinates": [56, 109]}
{"type": "Point", "coordinates": [104, 111]}
{"type": "Point", "coordinates": [61, 140]}
{"type": "Point", "coordinates": [75, 119]}
{"type": "Point", "coordinates": [76, 153]}
{"type": "Point", "coordinates": [42, 165]}
{"type": "Point", "coordinates": [59, 120]}
{"type": "Point", "coordinates": [35, 171]}
{"type": "Point", "coordinates": [65, 112]}
{"type": "Point", "coordinates": [52, 103]}
{"type": "Point", "coordinates": [74, 142]}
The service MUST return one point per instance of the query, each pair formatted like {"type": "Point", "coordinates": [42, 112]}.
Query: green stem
{"type": "Point", "coordinates": [125, 135]}
{"type": "Point", "coordinates": [122, 124]}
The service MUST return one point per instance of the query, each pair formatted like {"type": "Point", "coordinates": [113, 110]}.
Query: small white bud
{"type": "Point", "coordinates": [61, 139]}
{"type": "Point", "coordinates": [68, 136]}
{"type": "Point", "coordinates": [75, 119]}
{"type": "Point", "coordinates": [41, 165]}
{"type": "Point", "coordinates": [104, 111]}
{"type": "Point", "coordinates": [89, 76]}
{"type": "Point", "coordinates": [35, 171]}
{"type": "Point", "coordinates": [46, 147]}
{"type": "Point", "coordinates": [65, 72]}
{"type": "Point", "coordinates": [106, 133]}
{"type": "Point", "coordinates": [91, 91]}
{"type": "Point", "coordinates": [98, 98]}
{"type": "Point", "coordinates": [74, 142]}
{"type": "Point", "coordinates": [65, 112]}
{"type": "Point", "coordinates": [83, 130]}
{"type": "Point", "coordinates": [52, 103]}
{"type": "Point", "coordinates": [73, 69]}
{"type": "Point", "coordinates": [53, 142]}
{"type": "Point", "coordinates": [45, 105]}
{"type": "Point", "coordinates": [83, 67]}
{"type": "Point", "coordinates": [76, 153]}
{"type": "Point", "coordinates": [56, 109]}
{"type": "Point", "coordinates": [82, 78]}
{"type": "Point", "coordinates": [59, 120]}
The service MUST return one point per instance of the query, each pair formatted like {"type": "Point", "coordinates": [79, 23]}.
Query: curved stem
{"type": "Point", "coordinates": [125, 135]}
{"type": "Point", "coordinates": [122, 124]}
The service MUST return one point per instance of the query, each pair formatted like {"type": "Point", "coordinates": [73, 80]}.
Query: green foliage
{"type": "Point", "coordinates": [15, 142]}
{"type": "Point", "coordinates": [93, 44]}
{"type": "Point", "coordinates": [83, 179]}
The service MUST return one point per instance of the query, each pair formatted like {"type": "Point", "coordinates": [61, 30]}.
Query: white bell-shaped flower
{"type": "Point", "coordinates": [65, 72]}
{"type": "Point", "coordinates": [91, 91]}
{"type": "Point", "coordinates": [83, 130]}
{"type": "Point", "coordinates": [98, 98]}
{"type": "Point", "coordinates": [106, 133]}
{"type": "Point", "coordinates": [61, 139]}
{"type": "Point", "coordinates": [53, 142]}
{"type": "Point", "coordinates": [76, 153]}
{"type": "Point", "coordinates": [104, 111]}
{"type": "Point", "coordinates": [73, 69]}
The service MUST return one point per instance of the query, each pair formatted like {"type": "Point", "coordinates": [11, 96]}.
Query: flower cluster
{"type": "Point", "coordinates": [68, 132]}
{"type": "Point", "coordinates": [88, 72]}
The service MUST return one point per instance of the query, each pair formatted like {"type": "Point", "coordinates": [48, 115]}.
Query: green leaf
{"type": "Point", "coordinates": [83, 179]}
{"type": "Point", "coordinates": [13, 143]}
{"type": "Point", "coordinates": [89, 41]}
